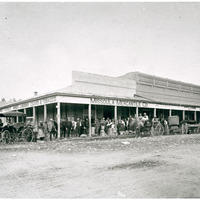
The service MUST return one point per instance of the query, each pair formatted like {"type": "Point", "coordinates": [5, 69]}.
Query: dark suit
{"type": "Point", "coordinates": [63, 127]}
{"type": "Point", "coordinates": [83, 127]}
{"type": "Point", "coordinates": [78, 128]}
{"type": "Point", "coordinates": [69, 127]}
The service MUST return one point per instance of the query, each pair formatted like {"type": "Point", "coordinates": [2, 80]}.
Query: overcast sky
{"type": "Point", "coordinates": [42, 43]}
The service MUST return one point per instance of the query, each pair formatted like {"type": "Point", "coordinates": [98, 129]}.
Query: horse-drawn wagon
{"type": "Point", "coordinates": [174, 125]}
{"type": "Point", "coordinates": [190, 126]}
{"type": "Point", "coordinates": [146, 128]}
{"type": "Point", "coordinates": [11, 132]}
{"type": "Point", "coordinates": [157, 128]}
{"type": "Point", "coordinates": [183, 127]}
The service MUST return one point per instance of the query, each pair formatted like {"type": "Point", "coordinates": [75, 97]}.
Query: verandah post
{"type": "Point", "coordinates": [34, 115]}
{"type": "Point", "coordinates": [154, 112]}
{"type": "Point", "coordinates": [115, 114]}
{"type": "Point", "coordinates": [183, 114]}
{"type": "Point", "coordinates": [58, 118]}
{"type": "Point", "coordinates": [89, 118]}
{"type": "Point", "coordinates": [45, 112]}
{"type": "Point", "coordinates": [170, 112]}
{"type": "Point", "coordinates": [137, 111]}
{"type": "Point", "coordinates": [195, 115]}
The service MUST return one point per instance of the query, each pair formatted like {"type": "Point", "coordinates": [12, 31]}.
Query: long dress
{"type": "Point", "coordinates": [109, 128]}
{"type": "Point", "coordinates": [41, 132]}
{"type": "Point", "coordinates": [102, 131]}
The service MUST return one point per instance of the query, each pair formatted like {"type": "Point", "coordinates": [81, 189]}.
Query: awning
{"type": "Point", "coordinates": [13, 114]}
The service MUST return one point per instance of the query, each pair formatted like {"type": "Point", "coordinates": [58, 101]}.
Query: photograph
{"type": "Point", "coordinates": [99, 100]}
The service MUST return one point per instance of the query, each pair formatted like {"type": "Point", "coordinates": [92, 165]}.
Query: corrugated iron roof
{"type": "Point", "coordinates": [170, 99]}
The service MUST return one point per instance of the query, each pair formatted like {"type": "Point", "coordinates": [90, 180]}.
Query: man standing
{"type": "Point", "coordinates": [56, 129]}
{"type": "Point", "coordinates": [51, 128]}
{"type": "Point", "coordinates": [145, 117]}
{"type": "Point", "coordinates": [78, 127]}
{"type": "Point", "coordinates": [69, 127]}
{"type": "Point", "coordinates": [73, 130]}
{"type": "Point", "coordinates": [46, 130]}
{"type": "Point", "coordinates": [83, 127]}
{"type": "Point", "coordinates": [63, 127]}
{"type": "Point", "coordinates": [86, 126]}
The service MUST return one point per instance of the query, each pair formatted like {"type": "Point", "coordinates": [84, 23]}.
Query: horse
{"type": "Point", "coordinates": [136, 125]}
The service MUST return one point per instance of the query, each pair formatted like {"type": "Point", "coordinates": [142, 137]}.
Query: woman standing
{"type": "Point", "coordinates": [41, 134]}
{"type": "Point", "coordinates": [103, 123]}
{"type": "Point", "coordinates": [109, 124]}
{"type": "Point", "coordinates": [45, 129]}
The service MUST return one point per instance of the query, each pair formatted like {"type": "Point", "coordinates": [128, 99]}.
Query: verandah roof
{"type": "Point", "coordinates": [12, 114]}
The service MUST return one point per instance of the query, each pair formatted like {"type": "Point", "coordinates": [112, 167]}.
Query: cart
{"type": "Point", "coordinates": [190, 126]}
{"type": "Point", "coordinates": [13, 132]}
{"type": "Point", "coordinates": [157, 128]}
{"type": "Point", "coordinates": [174, 124]}
{"type": "Point", "coordinates": [146, 129]}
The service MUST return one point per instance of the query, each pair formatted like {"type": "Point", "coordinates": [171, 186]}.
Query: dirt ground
{"type": "Point", "coordinates": [149, 167]}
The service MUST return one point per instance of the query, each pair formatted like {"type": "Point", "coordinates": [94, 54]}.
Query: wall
{"type": "Point", "coordinates": [165, 90]}
{"type": "Point", "coordinates": [168, 95]}
{"type": "Point", "coordinates": [103, 85]}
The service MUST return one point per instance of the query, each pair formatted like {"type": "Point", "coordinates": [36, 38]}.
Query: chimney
{"type": "Point", "coordinates": [35, 93]}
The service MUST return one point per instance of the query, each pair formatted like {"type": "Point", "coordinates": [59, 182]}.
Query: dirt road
{"type": "Point", "coordinates": [153, 167]}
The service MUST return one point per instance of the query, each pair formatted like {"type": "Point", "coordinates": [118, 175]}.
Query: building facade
{"type": "Point", "coordinates": [95, 96]}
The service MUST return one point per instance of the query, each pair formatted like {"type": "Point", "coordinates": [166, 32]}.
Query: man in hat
{"type": "Point", "coordinates": [63, 126]}
{"type": "Point", "coordinates": [69, 127]}
{"type": "Point", "coordinates": [78, 127]}
{"type": "Point", "coordinates": [51, 128]}
{"type": "Point", "coordinates": [46, 131]}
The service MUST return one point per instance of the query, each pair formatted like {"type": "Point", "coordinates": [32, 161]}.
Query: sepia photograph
{"type": "Point", "coordinates": [99, 100]}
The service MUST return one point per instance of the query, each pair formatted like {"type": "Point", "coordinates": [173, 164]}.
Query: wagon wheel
{"type": "Point", "coordinates": [158, 130]}
{"type": "Point", "coordinates": [20, 134]}
{"type": "Point", "coordinates": [14, 136]}
{"type": "Point", "coordinates": [148, 131]}
{"type": "Point", "coordinates": [171, 132]}
{"type": "Point", "coordinates": [152, 131]}
{"type": "Point", "coordinates": [144, 132]}
{"type": "Point", "coordinates": [1, 136]}
{"type": "Point", "coordinates": [28, 134]}
{"type": "Point", "coordinates": [5, 137]}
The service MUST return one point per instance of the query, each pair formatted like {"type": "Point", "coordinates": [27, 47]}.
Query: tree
{"type": "Point", "coordinates": [3, 100]}
{"type": "Point", "coordinates": [12, 100]}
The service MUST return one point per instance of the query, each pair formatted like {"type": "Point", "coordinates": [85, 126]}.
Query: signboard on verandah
{"type": "Point", "coordinates": [113, 102]}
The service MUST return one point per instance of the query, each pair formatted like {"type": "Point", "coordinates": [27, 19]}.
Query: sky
{"type": "Point", "coordinates": [42, 43]}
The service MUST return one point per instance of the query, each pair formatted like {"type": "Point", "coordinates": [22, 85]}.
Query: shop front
{"type": "Point", "coordinates": [57, 107]}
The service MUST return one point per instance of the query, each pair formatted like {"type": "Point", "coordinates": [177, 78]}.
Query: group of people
{"type": "Point", "coordinates": [47, 130]}
{"type": "Point", "coordinates": [101, 127]}
{"type": "Point", "coordinates": [74, 128]}
{"type": "Point", "coordinates": [68, 128]}
{"type": "Point", "coordinates": [109, 127]}
{"type": "Point", "coordinates": [131, 123]}
{"type": "Point", "coordinates": [104, 126]}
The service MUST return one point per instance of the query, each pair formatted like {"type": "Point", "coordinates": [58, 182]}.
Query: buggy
{"type": "Point", "coordinates": [157, 128]}
{"type": "Point", "coordinates": [190, 126]}
{"type": "Point", "coordinates": [184, 127]}
{"type": "Point", "coordinates": [174, 125]}
{"type": "Point", "coordinates": [145, 130]}
{"type": "Point", "coordinates": [13, 132]}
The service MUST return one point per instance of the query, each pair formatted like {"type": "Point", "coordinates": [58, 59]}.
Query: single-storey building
{"type": "Point", "coordinates": [95, 96]}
